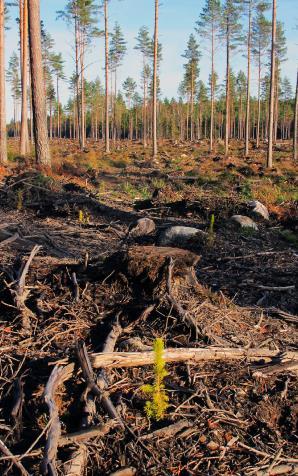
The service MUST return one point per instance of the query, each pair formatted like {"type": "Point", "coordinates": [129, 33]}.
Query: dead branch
{"type": "Point", "coordinates": [168, 431]}
{"type": "Point", "coordinates": [18, 464]}
{"type": "Point", "coordinates": [93, 386]}
{"type": "Point", "coordinates": [20, 292]}
{"type": "Point", "coordinates": [193, 356]}
{"type": "Point", "coordinates": [85, 435]}
{"type": "Point", "coordinates": [57, 377]}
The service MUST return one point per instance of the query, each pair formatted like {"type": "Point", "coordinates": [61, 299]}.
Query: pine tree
{"type": "Point", "coordinates": [117, 52]}
{"type": "Point", "coordinates": [82, 16]}
{"type": "Point", "coordinates": [13, 76]}
{"type": "Point", "coordinates": [144, 46]}
{"type": "Point", "coordinates": [3, 133]}
{"type": "Point", "coordinates": [272, 87]}
{"type": "Point", "coordinates": [191, 76]}
{"type": "Point", "coordinates": [231, 32]}
{"type": "Point", "coordinates": [129, 87]}
{"type": "Point", "coordinates": [208, 27]}
{"type": "Point", "coordinates": [24, 141]}
{"type": "Point", "coordinates": [155, 81]}
{"type": "Point", "coordinates": [42, 149]}
{"type": "Point", "coordinates": [260, 42]}
{"type": "Point", "coordinates": [295, 147]}
{"type": "Point", "coordinates": [57, 66]}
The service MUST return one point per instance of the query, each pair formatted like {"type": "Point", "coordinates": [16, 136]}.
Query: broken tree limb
{"type": "Point", "coordinates": [93, 386]}
{"type": "Point", "coordinates": [20, 292]}
{"type": "Point", "coordinates": [57, 377]}
{"type": "Point", "coordinates": [85, 435]}
{"type": "Point", "coordinates": [193, 356]}
{"type": "Point", "coordinates": [168, 431]}
{"type": "Point", "coordinates": [14, 459]}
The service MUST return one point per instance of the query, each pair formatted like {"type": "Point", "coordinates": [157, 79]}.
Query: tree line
{"type": "Point", "coordinates": [104, 110]}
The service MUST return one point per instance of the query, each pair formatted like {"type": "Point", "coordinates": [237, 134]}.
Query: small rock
{"type": "Point", "coordinates": [143, 227]}
{"type": "Point", "coordinates": [244, 222]}
{"type": "Point", "coordinates": [259, 209]}
{"type": "Point", "coordinates": [181, 236]}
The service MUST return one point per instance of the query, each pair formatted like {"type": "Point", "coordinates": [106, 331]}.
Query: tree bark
{"type": "Point", "coordinates": [295, 146]}
{"type": "Point", "coordinates": [154, 125]}
{"type": "Point", "coordinates": [212, 92]}
{"type": "Point", "coordinates": [259, 99]}
{"type": "Point", "coordinates": [272, 89]}
{"type": "Point", "coordinates": [248, 81]}
{"type": "Point", "coordinates": [3, 134]}
{"type": "Point", "coordinates": [24, 144]}
{"type": "Point", "coordinates": [107, 134]}
{"type": "Point", "coordinates": [42, 150]}
{"type": "Point", "coordinates": [227, 91]}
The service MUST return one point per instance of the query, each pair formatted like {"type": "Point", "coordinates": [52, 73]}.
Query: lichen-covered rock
{"type": "Point", "coordinates": [244, 222]}
{"type": "Point", "coordinates": [258, 209]}
{"type": "Point", "coordinates": [182, 236]}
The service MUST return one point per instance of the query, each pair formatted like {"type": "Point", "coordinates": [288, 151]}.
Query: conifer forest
{"type": "Point", "coordinates": [148, 237]}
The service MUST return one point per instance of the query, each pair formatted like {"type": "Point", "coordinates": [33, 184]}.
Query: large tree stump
{"type": "Point", "coordinates": [147, 268]}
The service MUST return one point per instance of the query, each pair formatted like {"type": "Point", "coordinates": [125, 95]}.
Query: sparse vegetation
{"type": "Point", "coordinates": [157, 406]}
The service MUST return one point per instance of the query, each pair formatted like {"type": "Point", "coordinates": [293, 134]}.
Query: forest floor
{"type": "Point", "coordinates": [94, 279]}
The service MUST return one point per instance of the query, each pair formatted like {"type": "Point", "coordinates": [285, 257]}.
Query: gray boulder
{"type": "Point", "coordinates": [143, 227]}
{"type": "Point", "coordinates": [244, 222]}
{"type": "Point", "coordinates": [182, 236]}
{"type": "Point", "coordinates": [258, 209]}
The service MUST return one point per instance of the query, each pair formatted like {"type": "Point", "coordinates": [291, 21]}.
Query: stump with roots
{"type": "Point", "coordinates": [153, 271]}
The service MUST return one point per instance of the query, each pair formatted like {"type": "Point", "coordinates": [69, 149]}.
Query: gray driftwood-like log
{"type": "Point", "coordinates": [21, 293]}
{"type": "Point", "coordinates": [57, 377]}
{"type": "Point", "coordinates": [96, 387]}
{"type": "Point", "coordinates": [193, 356]}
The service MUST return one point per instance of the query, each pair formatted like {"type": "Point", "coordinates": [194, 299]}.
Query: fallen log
{"type": "Point", "coordinates": [193, 356]}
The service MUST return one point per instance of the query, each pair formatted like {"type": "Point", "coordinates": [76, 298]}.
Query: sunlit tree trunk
{"type": "Point", "coordinates": [42, 149]}
{"type": "Point", "coordinates": [107, 120]}
{"type": "Point", "coordinates": [295, 139]}
{"type": "Point", "coordinates": [227, 134]}
{"type": "Point", "coordinates": [259, 99]}
{"type": "Point", "coordinates": [247, 120]}
{"type": "Point", "coordinates": [212, 91]}
{"type": "Point", "coordinates": [3, 134]}
{"type": "Point", "coordinates": [272, 89]}
{"type": "Point", "coordinates": [24, 144]}
{"type": "Point", "coordinates": [154, 125]}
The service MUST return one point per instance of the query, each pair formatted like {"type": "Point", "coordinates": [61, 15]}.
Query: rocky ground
{"type": "Point", "coordinates": [97, 259]}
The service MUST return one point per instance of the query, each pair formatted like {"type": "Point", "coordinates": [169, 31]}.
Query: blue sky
{"type": "Point", "coordinates": [177, 19]}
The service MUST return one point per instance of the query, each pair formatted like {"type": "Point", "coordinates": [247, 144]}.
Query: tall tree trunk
{"type": "Point", "coordinates": [295, 139]}
{"type": "Point", "coordinates": [83, 120]}
{"type": "Point", "coordinates": [24, 145]}
{"type": "Point", "coordinates": [192, 108]}
{"type": "Point", "coordinates": [78, 106]}
{"type": "Point", "coordinates": [144, 107]}
{"type": "Point", "coordinates": [259, 99]}
{"type": "Point", "coordinates": [212, 92]}
{"type": "Point", "coordinates": [272, 89]}
{"type": "Point", "coordinates": [227, 91]}
{"type": "Point", "coordinates": [154, 125]}
{"type": "Point", "coordinates": [42, 149]}
{"type": "Point", "coordinates": [3, 134]}
{"type": "Point", "coordinates": [58, 110]}
{"type": "Point", "coordinates": [248, 81]}
{"type": "Point", "coordinates": [107, 134]}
